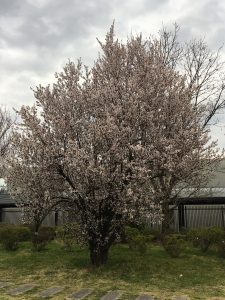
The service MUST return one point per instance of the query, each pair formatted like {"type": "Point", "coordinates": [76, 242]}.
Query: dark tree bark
{"type": "Point", "coordinates": [166, 222]}
{"type": "Point", "coordinates": [98, 254]}
{"type": "Point", "coordinates": [35, 238]}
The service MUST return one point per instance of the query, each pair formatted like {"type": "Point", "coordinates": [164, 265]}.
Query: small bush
{"type": "Point", "coordinates": [130, 232]}
{"type": "Point", "coordinates": [204, 244]}
{"type": "Point", "coordinates": [150, 234]}
{"type": "Point", "coordinates": [43, 237]}
{"type": "Point", "coordinates": [204, 237]}
{"type": "Point", "coordinates": [221, 248]}
{"type": "Point", "coordinates": [216, 234]}
{"type": "Point", "coordinates": [69, 234]}
{"type": "Point", "coordinates": [140, 243]}
{"type": "Point", "coordinates": [193, 236]}
{"type": "Point", "coordinates": [156, 235]}
{"type": "Point", "coordinates": [23, 233]}
{"type": "Point", "coordinates": [136, 240]}
{"type": "Point", "coordinates": [9, 238]}
{"type": "Point", "coordinates": [10, 243]}
{"type": "Point", "coordinates": [51, 231]}
{"type": "Point", "coordinates": [173, 244]}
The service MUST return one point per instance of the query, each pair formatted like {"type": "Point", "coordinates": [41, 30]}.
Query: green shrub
{"type": "Point", "coordinates": [11, 235]}
{"type": "Point", "coordinates": [140, 243]}
{"type": "Point", "coordinates": [136, 240]}
{"type": "Point", "coordinates": [173, 244]}
{"type": "Point", "coordinates": [48, 231]}
{"type": "Point", "coordinates": [150, 234]}
{"type": "Point", "coordinates": [23, 233]}
{"type": "Point", "coordinates": [216, 234]}
{"type": "Point", "coordinates": [155, 234]}
{"type": "Point", "coordinates": [143, 228]}
{"type": "Point", "coordinates": [204, 237]}
{"type": "Point", "coordinates": [130, 232]}
{"type": "Point", "coordinates": [69, 234]}
{"type": "Point", "coordinates": [193, 236]}
{"type": "Point", "coordinates": [41, 238]}
{"type": "Point", "coordinates": [221, 248]}
{"type": "Point", "coordinates": [204, 244]}
{"type": "Point", "coordinates": [8, 237]}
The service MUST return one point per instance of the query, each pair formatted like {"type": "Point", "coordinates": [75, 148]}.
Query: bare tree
{"type": "Point", "coordinates": [6, 123]}
{"type": "Point", "coordinates": [204, 73]}
{"type": "Point", "coordinates": [203, 68]}
{"type": "Point", "coordinates": [5, 126]}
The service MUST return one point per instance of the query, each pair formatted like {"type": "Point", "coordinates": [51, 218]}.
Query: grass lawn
{"type": "Point", "coordinates": [201, 276]}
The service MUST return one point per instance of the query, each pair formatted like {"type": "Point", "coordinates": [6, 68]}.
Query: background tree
{"type": "Point", "coordinates": [6, 123]}
{"type": "Point", "coordinates": [120, 138]}
{"type": "Point", "coordinates": [204, 73]}
{"type": "Point", "coordinates": [203, 68]}
{"type": "Point", "coordinates": [30, 176]}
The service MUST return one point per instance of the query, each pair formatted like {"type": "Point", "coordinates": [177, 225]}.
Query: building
{"type": "Point", "coordinates": [205, 209]}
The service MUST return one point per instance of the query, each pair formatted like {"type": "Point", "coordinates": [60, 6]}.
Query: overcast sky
{"type": "Point", "coordinates": [37, 37]}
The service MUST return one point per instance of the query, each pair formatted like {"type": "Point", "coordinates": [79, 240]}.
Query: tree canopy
{"type": "Point", "coordinates": [114, 141]}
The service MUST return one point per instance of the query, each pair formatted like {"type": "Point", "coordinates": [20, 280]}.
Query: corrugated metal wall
{"type": "Point", "coordinates": [13, 216]}
{"type": "Point", "coordinates": [195, 216]}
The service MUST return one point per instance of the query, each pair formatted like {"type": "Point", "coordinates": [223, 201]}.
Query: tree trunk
{"type": "Point", "coordinates": [99, 247]}
{"type": "Point", "coordinates": [166, 218]}
{"type": "Point", "coordinates": [102, 238]}
{"type": "Point", "coordinates": [35, 235]}
{"type": "Point", "coordinates": [99, 256]}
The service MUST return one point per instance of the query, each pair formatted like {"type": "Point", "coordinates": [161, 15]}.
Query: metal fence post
{"type": "Point", "coordinates": [222, 216]}
{"type": "Point", "coordinates": [181, 219]}
{"type": "Point", "coordinates": [185, 217]}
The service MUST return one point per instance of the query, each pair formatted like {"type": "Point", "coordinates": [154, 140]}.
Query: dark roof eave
{"type": "Point", "coordinates": [7, 205]}
{"type": "Point", "coordinates": [201, 201]}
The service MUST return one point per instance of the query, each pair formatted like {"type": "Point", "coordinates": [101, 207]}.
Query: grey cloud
{"type": "Point", "coordinates": [10, 7]}
{"type": "Point", "coordinates": [50, 32]}
{"type": "Point", "coordinates": [57, 22]}
{"type": "Point", "coordinates": [205, 19]}
{"type": "Point", "coordinates": [37, 37]}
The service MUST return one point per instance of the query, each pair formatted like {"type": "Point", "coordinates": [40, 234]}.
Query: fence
{"type": "Point", "coordinates": [194, 216]}
{"type": "Point", "coordinates": [197, 216]}
{"type": "Point", "coordinates": [13, 216]}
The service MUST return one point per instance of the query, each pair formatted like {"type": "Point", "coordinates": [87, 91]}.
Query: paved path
{"type": "Point", "coordinates": [145, 297]}
{"type": "Point", "coordinates": [4, 284]}
{"type": "Point", "coordinates": [180, 298]}
{"type": "Point", "coordinates": [50, 291]}
{"type": "Point", "coordinates": [76, 295]}
{"type": "Point", "coordinates": [112, 295]}
{"type": "Point", "coordinates": [22, 289]}
{"type": "Point", "coordinates": [81, 294]}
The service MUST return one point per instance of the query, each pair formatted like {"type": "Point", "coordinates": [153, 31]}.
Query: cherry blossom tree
{"type": "Point", "coordinates": [31, 180]}
{"type": "Point", "coordinates": [114, 141]}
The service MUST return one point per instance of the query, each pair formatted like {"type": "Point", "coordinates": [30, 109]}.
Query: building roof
{"type": "Point", "coordinates": [217, 178]}
{"type": "Point", "coordinates": [215, 190]}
